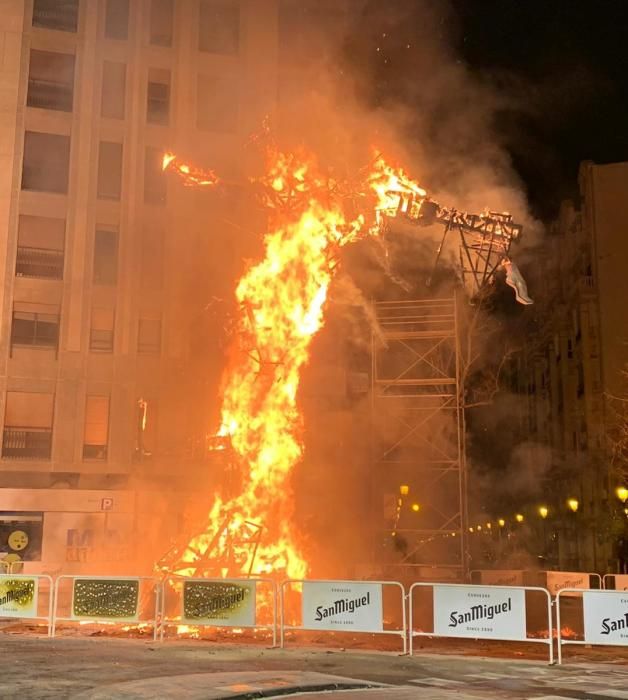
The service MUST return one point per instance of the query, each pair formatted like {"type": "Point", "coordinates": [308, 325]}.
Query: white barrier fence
{"type": "Point", "coordinates": [219, 602]}
{"type": "Point", "coordinates": [557, 581]}
{"type": "Point", "coordinates": [604, 615]}
{"type": "Point", "coordinates": [107, 599]}
{"type": "Point", "coordinates": [615, 582]}
{"type": "Point", "coordinates": [342, 606]}
{"type": "Point", "coordinates": [21, 597]}
{"type": "Point", "coordinates": [480, 612]}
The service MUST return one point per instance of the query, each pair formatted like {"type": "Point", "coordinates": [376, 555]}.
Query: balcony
{"type": "Point", "coordinates": [53, 14]}
{"type": "Point", "coordinates": [39, 262]}
{"type": "Point", "coordinates": [46, 94]}
{"type": "Point", "coordinates": [26, 443]}
{"type": "Point", "coordinates": [101, 340]}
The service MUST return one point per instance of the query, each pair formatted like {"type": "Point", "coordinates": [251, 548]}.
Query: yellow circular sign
{"type": "Point", "coordinates": [18, 540]}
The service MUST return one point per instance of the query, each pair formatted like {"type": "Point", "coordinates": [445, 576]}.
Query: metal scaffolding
{"type": "Point", "coordinates": [418, 419]}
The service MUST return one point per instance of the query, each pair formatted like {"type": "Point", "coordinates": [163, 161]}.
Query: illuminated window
{"type": "Point", "coordinates": [109, 170]}
{"type": "Point", "coordinates": [56, 14]}
{"type": "Point", "coordinates": [149, 335]}
{"type": "Point", "coordinates": [50, 80]}
{"type": "Point", "coordinates": [35, 325]}
{"type": "Point", "coordinates": [96, 433]}
{"type": "Point", "coordinates": [27, 425]}
{"type": "Point", "coordinates": [46, 162]}
{"type": "Point", "coordinates": [117, 19]}
{"type": "Point", "coordinates": [40, 243]}
{"type": "Point", "coordinates": [161, 12]}
{"type": "Point", "coordinates": [158, 96]}
{"type": "Point", "coordinates": [105, 256]}
{"type": "Point", "coordinates": [219, 26]}
{"type": "Point", "coordinates": [113, 90]}
{"type": "Point", "coordinates": [101, 330]}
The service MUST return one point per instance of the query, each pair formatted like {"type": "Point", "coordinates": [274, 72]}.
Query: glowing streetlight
{"type": "Point", "coordinates": [543, 511]}
{"type": "Point", "coordinates": [478, 528]}
{"type": "Point", "coordinates": [404, 489]}
{"type": "Point", "coordinates": [622, 493]}
{"type": "Point", "coordinates": [573, 504]}
{"type": "Point", "coordinates": [519, 518]}
{"type": "Point", "coordinates": [489, 526]}
{"type": "Point", "coordinates": [470, 529]}
{"type": "Point", "coordinates": [501, 522]}
{"type": "Point", "coordinates": [416, 507]}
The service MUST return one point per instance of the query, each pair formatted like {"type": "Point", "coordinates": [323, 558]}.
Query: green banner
{"type": "Point", "coordinates": [111, 598]}
{"type": "Point", "coordinates": [18, 597]}
{"type": "Point", "coordinates": [224, 603]}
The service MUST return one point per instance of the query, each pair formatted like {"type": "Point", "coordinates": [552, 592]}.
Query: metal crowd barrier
{"type": "Point", "coordinates": [619, 581]}
{"type": "Point", "coordinates": [218, 602]}
{"type": "Point", "coordinates": [570, 579]}
{"type": "Point", "coordinates": [604, 616]}
{"type": "Point", "coordinates": [355, 606]}
{"type": "Point", "coordinates": [107, 599]}
{"type": "Point", "coordinates": [455, 605]}
{"type": "Point", "coordinates": [26, 604]}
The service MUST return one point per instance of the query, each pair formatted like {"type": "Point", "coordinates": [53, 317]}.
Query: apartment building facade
{"type": "Point", "coordinates": [108, 263]}
{"type": "Point", "coordinates": [574, 362]}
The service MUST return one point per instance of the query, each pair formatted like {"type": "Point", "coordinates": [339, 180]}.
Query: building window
{"type": "Point", "coordinates": [109, 170]}
{"type": "Point", "coordinates": [101, 330]}
{"type": "Point", "coordinates": [35, 325]}
{"type": "Point", "coordinates": [50, 80]}
{"type": "Point", "coordinates": [40, 243]}
{"type": "Point", "coordinates": [96, 433]}
{"type": "Point", "coordinates": [113, 90]}
{"type": "Point", "coordinates": [154, 179]}
{"type": "Point", "coordinates": [46, 162]}
{"type": "Point", "coordinates": [217, 102]}
{"type": "Point", "coordinates": [149, 335]}
{"type": "Point", "coordinates": [219, 26]}
{"type": "Point", "coordinates": [152, 259]}
{"type": "Point", "coordinates": [27, 426]}
{"type": "Point", "coordinates": [105, 256]}
{"type": "Point", "coordinates": [158, 96]}
{"type": "Point", "coordinates": [117, 19]}
{"type": "Point", "coordinates": [56, 14]}
{"type": "Point", "coordinates": [161, 12]}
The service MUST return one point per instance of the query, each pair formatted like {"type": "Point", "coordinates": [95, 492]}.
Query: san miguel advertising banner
{"type": "Point", "coordinates": [478, 611]}
{"type": "Point", "coordinates": [18, 597]}
{"type": "Point", "coordinates": [341, 606]}
{"type": "Point", "coordinates": [557, 580]}
{"type": "Point", "coordinates": [495, 577]}
{"type": "Point", "coordinates": [605, 617]}
{"type": "Point", "coordinates": [99, 599]}
{"type": "Point", "coordinates": [223, 603]}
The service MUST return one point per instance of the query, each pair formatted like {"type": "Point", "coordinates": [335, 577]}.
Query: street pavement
{"type": "Point", "coordinates": [104, 668]}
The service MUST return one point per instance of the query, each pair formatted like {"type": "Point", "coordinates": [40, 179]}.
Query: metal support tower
{"type": "Point", "coordinates": [419, 432]}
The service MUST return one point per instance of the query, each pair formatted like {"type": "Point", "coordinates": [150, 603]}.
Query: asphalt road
{"type": "Point", "coordinates": [99, 668]}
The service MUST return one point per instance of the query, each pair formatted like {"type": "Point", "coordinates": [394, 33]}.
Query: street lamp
{"type": "Point", "coordinates": [622, 493]}
{"type": "Point", "coordinates": [501, 522]}
{"type": "Point", "coordinates": [519, 518]}
{"type": "Point", "coordinates": [543, 511]}
{"type": "Point", "coordinates": [416, 507]}
{"type": "Point", "coordinates": [573, 504]}
{"type": "Point", "coordinates": [404, 489]}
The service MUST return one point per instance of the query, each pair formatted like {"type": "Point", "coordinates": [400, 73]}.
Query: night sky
{"type": "Point", "coordinates": [559, 69]}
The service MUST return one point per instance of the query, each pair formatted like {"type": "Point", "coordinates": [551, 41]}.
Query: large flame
{"type": "Point", "coordinates": [282, 300]}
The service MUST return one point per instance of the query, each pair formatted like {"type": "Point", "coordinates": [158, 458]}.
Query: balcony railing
{"type": "Point", "coordinates": [56, 14]}
{"type": "Point", "coordinates": [46, 94]}
{"type": "Point", "coordinates": [39, 262]}
{"type": "Point", "coordinates": [26, 443]}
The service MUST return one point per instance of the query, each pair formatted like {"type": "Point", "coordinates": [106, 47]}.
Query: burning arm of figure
{"type": "Point", "coordinates": [192, 177]}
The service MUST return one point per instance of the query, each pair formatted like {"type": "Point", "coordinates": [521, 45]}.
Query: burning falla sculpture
{"type": "Point", "coordinates": [282, 300]}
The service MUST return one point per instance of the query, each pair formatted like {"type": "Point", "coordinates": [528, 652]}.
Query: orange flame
{"type": "Point", "coordinates": [192, 177]}
{"type": "Point", "coordinates": [282, 300]}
